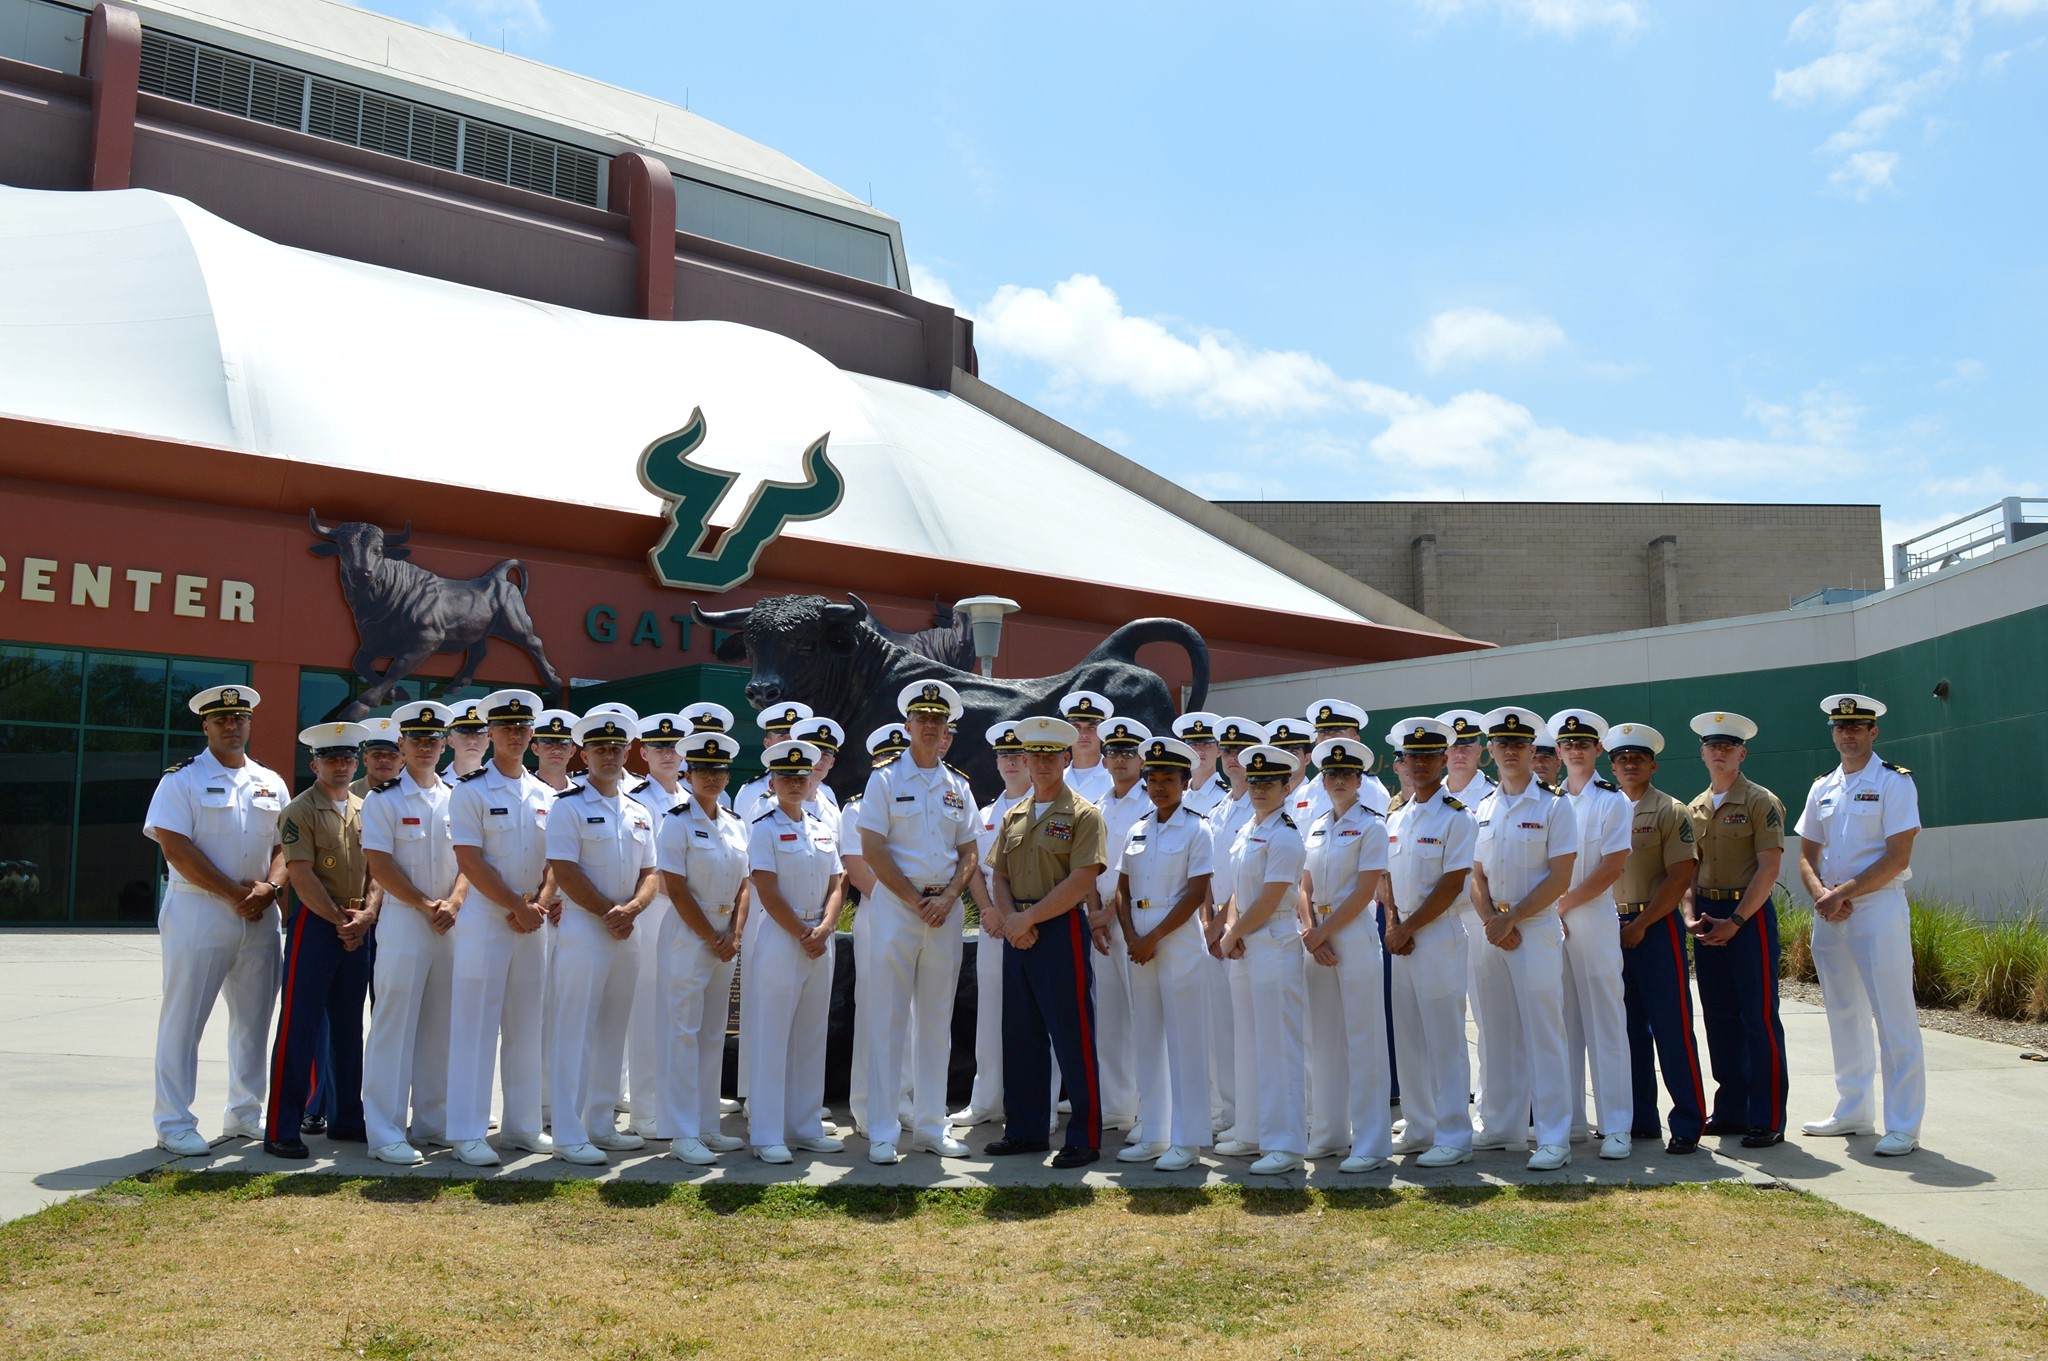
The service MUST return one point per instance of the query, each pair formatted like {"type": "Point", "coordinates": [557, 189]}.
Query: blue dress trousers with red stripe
{"type": "Point", "coordinates": [1657, 992]}
{"type": "Point", "coordinates": [1048, 995]}
{"type": "Point", "coordinates": [322, 981]}
{"type": "Point", "coordinates": [1745, 1039]}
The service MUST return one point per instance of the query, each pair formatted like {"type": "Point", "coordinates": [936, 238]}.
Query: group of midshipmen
{"type": "Point", "coordinates": [1190, 935]}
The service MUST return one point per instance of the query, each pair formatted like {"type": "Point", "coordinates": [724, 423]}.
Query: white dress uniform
{"type": "Point", "coordinates": [229, 814]}
{"type": "Point", "coordinates": [987, 1097]}
{"type": "Point", "coordinates": [1595, 1014]}
{"type": "Point", "coordinates": [495, 995]}
{"type": "Point", "coordinates": [1169, 1006]}
{"type": "Point", "coordinates": [405, 1059]}
{"type": "Point", "coordinates": [1092, 784]}
{"type": "Point", "coordinates": [863, 931]}
{"type": "Point", "coordinates": [695, 986]}
{"type": "Point", "coordinates": [756, 798]}
{"type": "Point", "coordinates": [786, 997]}
{"type": "Point", "coordinates": [1349, 1083]}
{"type": "Point", "coordinates": [1519, 994]}
{"type": "Point", "coordinates": [911, 972]}
{"type": "Point", "coordinates": [1866, 962]}
{"type": "Point", "coordinates": [1233, 1062]}
{"type": "Point", "coordinates": [1203, 799]}
{"type": "Point", "coordinates": [611, 840]}
{"type": "Point", "coordinates": [1271, 1112]}
{"type": "Point", "coordinates": [1116, 1070]}
{"type": "Point", "coordinates": [1425, 841]}
{"type": "Point", "coordinates": [646, 1063]}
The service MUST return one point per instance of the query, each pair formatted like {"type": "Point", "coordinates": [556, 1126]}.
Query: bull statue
{"type": "Point", "coordinates": [950, 639]}
{"type": "Point", "coordinates": [835, 659]}
{"type": "Point", "coordinates": [407, 613]}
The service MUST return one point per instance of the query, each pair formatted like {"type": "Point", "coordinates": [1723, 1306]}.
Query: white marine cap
{"type": "Point", "coordinates": [422, 718]}
{"type": "Point", "coordinates": [224, 699]}
{"type": "Point", "coordinates": [603, 725]}
{"type": "Point", "coordinates": [325, 737]}
{"type": "Point", "coordinates": [1003, 737]}
{"type": "Point", "coordinates": [1269, 763]}
{"type": "Point", "coordinates": [1125, 732]}
{"type": "Point", "coordinates": [1198, 725]}
{"type": "Point", "coordinates": [1577, 723]}
{"type": "Point", "coordinates": [1467, 725]}
{"type": "Point", "coordinates": [1421, 734]}
{"type": "Point", "coordinates": [663, 730]}
{"type": "Point", "coordinates": [468, 716]}
{"type": "Point", "coordinates": [1039, 733]}
{"type": "Point", "coordinates": [1343, 755]}
{"type": "Point", "coordinates": [893, 739]}
{"type": "Point", "coordinates": [1633, 737]}
{"type": "Point", "coordinates": [511, 706]}
{"type": "Point", "coordinates": [790, 758]}
{"type": "Point", "coordinates": [626, 711]}
{"type": "Point", "coordinates": [931, 697]}
{"type": "Point", "coordinates": [709, 748]}
{"type": "Point", "coordinates": [1336, 713]}
{"type": "Point", "coordinates": [820, 732]}
{"type": "Point", "coordinates": [1237, 734]}
{"type": "Point", "coordinates": [380, 732]}
{"type": "Point", "coordinates": [1723, 727]}
{"type": "Point", "coordinates": [1852, 708]}
{"type": "Point", "coordinates": [704, 716]}
{"type": "Point", "coordinates": [783, 715]}
{"type": "Point", "coordinates": [554, 723]}
{"type": "Point", "coordinates": [1168, 753]}
{"type": "Point", "coordinates": [1512, 720]}
{"type": "Point", "coordinates": [1086, 704]}
{"type": "Point", "coordinates": [1290, 732]}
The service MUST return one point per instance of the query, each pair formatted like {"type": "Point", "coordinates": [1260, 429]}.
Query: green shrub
{"type": "Point", "coordinates": [1795, 943]}
{"type": "Point", "coordinates": [2009, 968]}
{"type": "Point", "coordinates": [1944, 953]}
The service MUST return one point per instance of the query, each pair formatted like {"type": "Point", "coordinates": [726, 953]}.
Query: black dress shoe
{"type": "Point", "coordinates": [313, 1124]}
{"type": "Point", "coordinates": [1678, 1145]}
{"type": "Point", "coordinates": [1007, 1145]}
{"type": "Point", "coordinates": [1725, 1127]}
{"type": "Point", "coordinates": [1071, 1156]}
{"type": "Point", "coordinates": [349, 1136]}
{"type": "Point", "coordinates": [286, 1148]}
{"type": "Point", "coordinates": [1762, 1138]}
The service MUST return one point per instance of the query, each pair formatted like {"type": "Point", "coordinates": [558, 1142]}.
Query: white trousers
{"type": "Point", "coordinates": [405, 1060]}
{"type": "Point", "coordinates": [1350, 1088]}
{"type": "Point", "coordinates": [494, 1020]}
{"type": "Point", "coordinates": [1429, 1036]}
{"type": "Point", "coordinates": [1521, 1034]}
{"type": "Point", "coordinates": [594, 977]}
{"type": "Point", "coordinates": [988, 1025]}
{"type": "Point", "coordinates": [1170, 1033]}
{"type": "Point", "coordinates": [646, 1068]}
{"type": "Point", "coordinates": [785, 1000]}
{"type": "Point", "coordinates": [905, 990]}
{"type": "Point", "coordinates": [1218, 993]}
{"type": "Point", "coordinates": [1244, 1053]}
{"type": "Point", "coordinates": [550, 937]}
{"type": "Point", "coordinates": [1866, 979]}
{"type": "Point", "coordinates": [857, 1060]}
{"type": "Point", "coordinates": [207, 948]}
{"type": "Point", "coordinates": [1116, 1076]}
{"type": "Point", "coordinates": [1596, 1019]}
{"type": "Point", "coordinates": [1277, 982]}
{"type": "Point", "coordinates": [695, 994]}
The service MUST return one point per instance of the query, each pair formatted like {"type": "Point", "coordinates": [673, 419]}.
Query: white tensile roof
{"type": "Point", "coordinates": [137, 311]}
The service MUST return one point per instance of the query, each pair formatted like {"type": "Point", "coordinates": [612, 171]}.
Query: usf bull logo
{"type": "Point", "coordinates": [683, 557]}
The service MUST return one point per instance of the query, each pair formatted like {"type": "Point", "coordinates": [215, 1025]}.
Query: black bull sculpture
{"type": "Point", "coordinates": [835, 659]}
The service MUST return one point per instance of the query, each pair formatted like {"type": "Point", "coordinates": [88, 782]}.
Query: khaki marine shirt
{"type": "Point", "coordinates": [1660, 836]}
{"type": "Point", "coordinates": [1749, 821]}
{"type": "Point", "coordinates": [332, 843]}
{"type": "Point", "coordinates": [1037, 854]}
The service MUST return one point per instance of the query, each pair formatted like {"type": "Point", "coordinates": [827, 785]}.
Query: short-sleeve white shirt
{"type": "Point", "coordinates": [610, 839]}
{"type": "Point", "coordinates": [1158, 858]}
{"type": "Point", "coordinates": [229, 813]}
{"type": "Point", "coordinates": [710, 855]}
{"type": "Point", "coordinates": [506, 819]}
{"type": "Point", "coordinates": [802, 855]}
{"type": "Point", "coordinates": [1425, 841]}
{"type": "Point", "coordinates": [410, 824]}
{"type": "Point", "coordinates": [925, 816]}
{"type": "Point", "coordinates": [1337, 850]}
{"type": "Point", "coordinates": [1268, 851]}
{"type": "Point", "coordinates": [1850, 816]}
{"type": "Point", "coordinates": [1519, 835]}
{"type": "Point", "coordinates": [1606, 823]}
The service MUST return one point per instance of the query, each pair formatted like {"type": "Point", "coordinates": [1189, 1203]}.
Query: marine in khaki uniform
{"type": "Point", "coordinates": [1740, 828]}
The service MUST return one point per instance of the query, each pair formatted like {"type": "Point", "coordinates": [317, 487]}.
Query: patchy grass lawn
{"type": "Point", "coordinates": [220, 1265]}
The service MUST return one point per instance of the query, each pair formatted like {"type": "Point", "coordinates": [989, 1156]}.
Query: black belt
{"type": "Point", "coordinates": [1720, 895]}
{"type": "Point", "coordinates": [1629, 909]}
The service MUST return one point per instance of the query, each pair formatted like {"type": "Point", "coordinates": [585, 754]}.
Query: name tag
{"type": "Point", "coordinates": [906, 798]}
{"type": "Point", "coordinates": [500, 812]}
{"type": "Point", "coordinates": [595, 822]}
{"type": "Point", "coordinates": [215, 789]}
{"type": "Point", "coordinates": [699, 831]}
{"type": "Point", "coordinates": [1138, 840]}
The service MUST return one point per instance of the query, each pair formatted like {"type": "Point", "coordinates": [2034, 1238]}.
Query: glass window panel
{"type": "Point", "coordinates": [322, 694]}
{"type": "Point", "coordinates": [40, 684]}
{"type": "Point", "coordinates": [38, 787]}
{"type": "Point", "coordinates": [189, 677]}
{"type": "Point", "coordinates": [117, 864]}
{"type": "Point", "coordinates": [125, 692]}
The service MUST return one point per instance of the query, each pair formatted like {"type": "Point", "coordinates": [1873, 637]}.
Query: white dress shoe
{"type": "Point", "coordinates": [477, 1153]}
{"type": "Point", "coordinates": [884, 1153]}
{"type": "Point", "coordinates": [1176, 1159]}
{"type": "Point", "coordinates": [1827, 1128]}
{"type": "Point", "coordinates": [1137, 1133]}
{"type": "Point", "coordinates": [970, 1117]}
{"type": "Point", "coordinates": [722, 1143]}
{"type": "Point", "coordinates": [1141, 1153]}
{"type": "Point", "coordinates": [1361, 1163]}
{"type": "Point", "coordinates": [1235, 1148]}
{"type": "Point", "coordinates": [618, 1141]}
{"type": "Point", "coordinates": [1484, 1145]}
{"type": "Point", "coordinates": [1896, 1145]}
{"type": "Point", "coordinates": [823, 1143]}
{"type": "Point", "coordinates": [435, 1140]}
{"type": "Point", "coordinates": [1066, 1108]}
{"type": "Point", "coordinates": [1443, 1155]}
{"type": "Point", "coordinates": [1317, 1154]}
{"type": "Point", "coordinates": [773, 1153]}
{"type": "Point", "coordinates": [1406, 1146]}
{"type": "Point", "coordinates": [1273, 1164]}
{"type": "Point", "coordinates": [401, 1154]}
{"type": "Point", "coordinates": [584, 1155]}
{"type": "Point", "coordinates": [728, 1106]}
{"type": "Point", "coordinates": [186, 1143]}
{"type": "Point", "coordinates": [946, 1146]}
{"type": "Point", "coordinates": [241, 1129]}
{"type": "Point", "coordinates": [1615, 1146]}
{"type": "Point", "coordinates": [530, 1143]}
{"type": "Point", "coordinates": [691, 1151]}
{"type": "Point", "coordinates": [1549, 1157]}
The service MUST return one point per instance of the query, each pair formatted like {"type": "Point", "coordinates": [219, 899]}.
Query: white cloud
{"type": "Point", "coordinates": [929, 286]}
{"type": "Point", "coordinates": [1823, 415]}
{"type": "Point", "coordinates": [1567, 17]}
{"type": "Point", "coordinates": [1467, 335]}
{"type": "Point", "coordinates": [508, 23]}
{"type": "Point", "coordinates": [975, 164]}
{"type": "Point", "coordinates": [2015, 9]}
{"type": "Point", "coordinates": [1961, 374]}
{"type": "Point", "coordinates": [1864, 173]}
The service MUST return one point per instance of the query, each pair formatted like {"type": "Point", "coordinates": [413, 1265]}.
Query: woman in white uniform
{"type": "Point", "coordinates": [1263, 933]}
{"type": "Point", "coordinates": [1163, 875]}
{"type": "Point", "coordinates": [646, 1065]}
{"type": "Point", "coordinates": [701, 851]}
{"type": "Point", "coordinates": [1347, 861]}
{"type": "Point", "coordinates": [798, 883]}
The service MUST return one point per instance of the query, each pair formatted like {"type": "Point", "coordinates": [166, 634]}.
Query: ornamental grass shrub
{"type": "Point", "coordinates": [2009, 970]}
{"type": "Point", "coordinates": [1795, 943]}
{"type": "Point", "coordinates": [1945, 953]}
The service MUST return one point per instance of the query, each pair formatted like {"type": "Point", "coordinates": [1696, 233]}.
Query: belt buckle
{"type": "Point", "coordinates": [1320, 910]}
{"type": "Point", "coordinates": [1142, 904]}
{"type": "Point", "coordinates": [1503, 908]}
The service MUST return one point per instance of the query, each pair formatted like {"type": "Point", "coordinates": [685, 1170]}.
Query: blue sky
{"type": "Point", "coordinates": [1554, 249]}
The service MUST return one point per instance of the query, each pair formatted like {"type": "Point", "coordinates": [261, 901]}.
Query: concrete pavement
{"type": "Point", "coordinates": [79, 1013]}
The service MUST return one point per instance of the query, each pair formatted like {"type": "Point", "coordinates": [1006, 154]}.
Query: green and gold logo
{"type": "Point", "coordinates": [681, 557]}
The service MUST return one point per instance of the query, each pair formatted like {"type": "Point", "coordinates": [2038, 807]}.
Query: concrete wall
{"type": "Point", "coordinates": [1975, 750]}
{"type": "Point", "coordinates": [1525, 572]}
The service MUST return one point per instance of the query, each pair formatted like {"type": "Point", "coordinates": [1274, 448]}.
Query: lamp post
{"type": "Point", "coordinates": [985, 613]}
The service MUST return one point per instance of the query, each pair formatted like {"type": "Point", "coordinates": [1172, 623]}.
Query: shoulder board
{"type": "Point", "coordinates": [1896, 770]}
{"type": "Point", "coordinates": [573, 788]}
{"type": "Point", "coordinates": [1608, 785]}
{"type": "Point", "coordinates": [638, 787]}
{"type": "Point", "coordinates": [765, 816]}
{"type": "Point", "coordinates": [682, 807]}
{"type": "Point", "coordinates": [180, 765]}
{"type": "Point", "coordinates": [955, 769]}
{"type": "Point", "coordinates": [1551, 789]}
{"type": "Point", "coordinates": [476, 774]}
{"type": "Point", "coordinates": [1453, 804]}
{"type": "Point", "coordinates": [391, 783]}
{"type": "Point", "coordinates": [1288, 820]}
{"type": "Point", "coordinates": [1825, 773]}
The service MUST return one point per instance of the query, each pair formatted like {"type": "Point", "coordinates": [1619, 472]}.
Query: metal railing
{"type": "Point", "coordinates": [1969, 536]}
